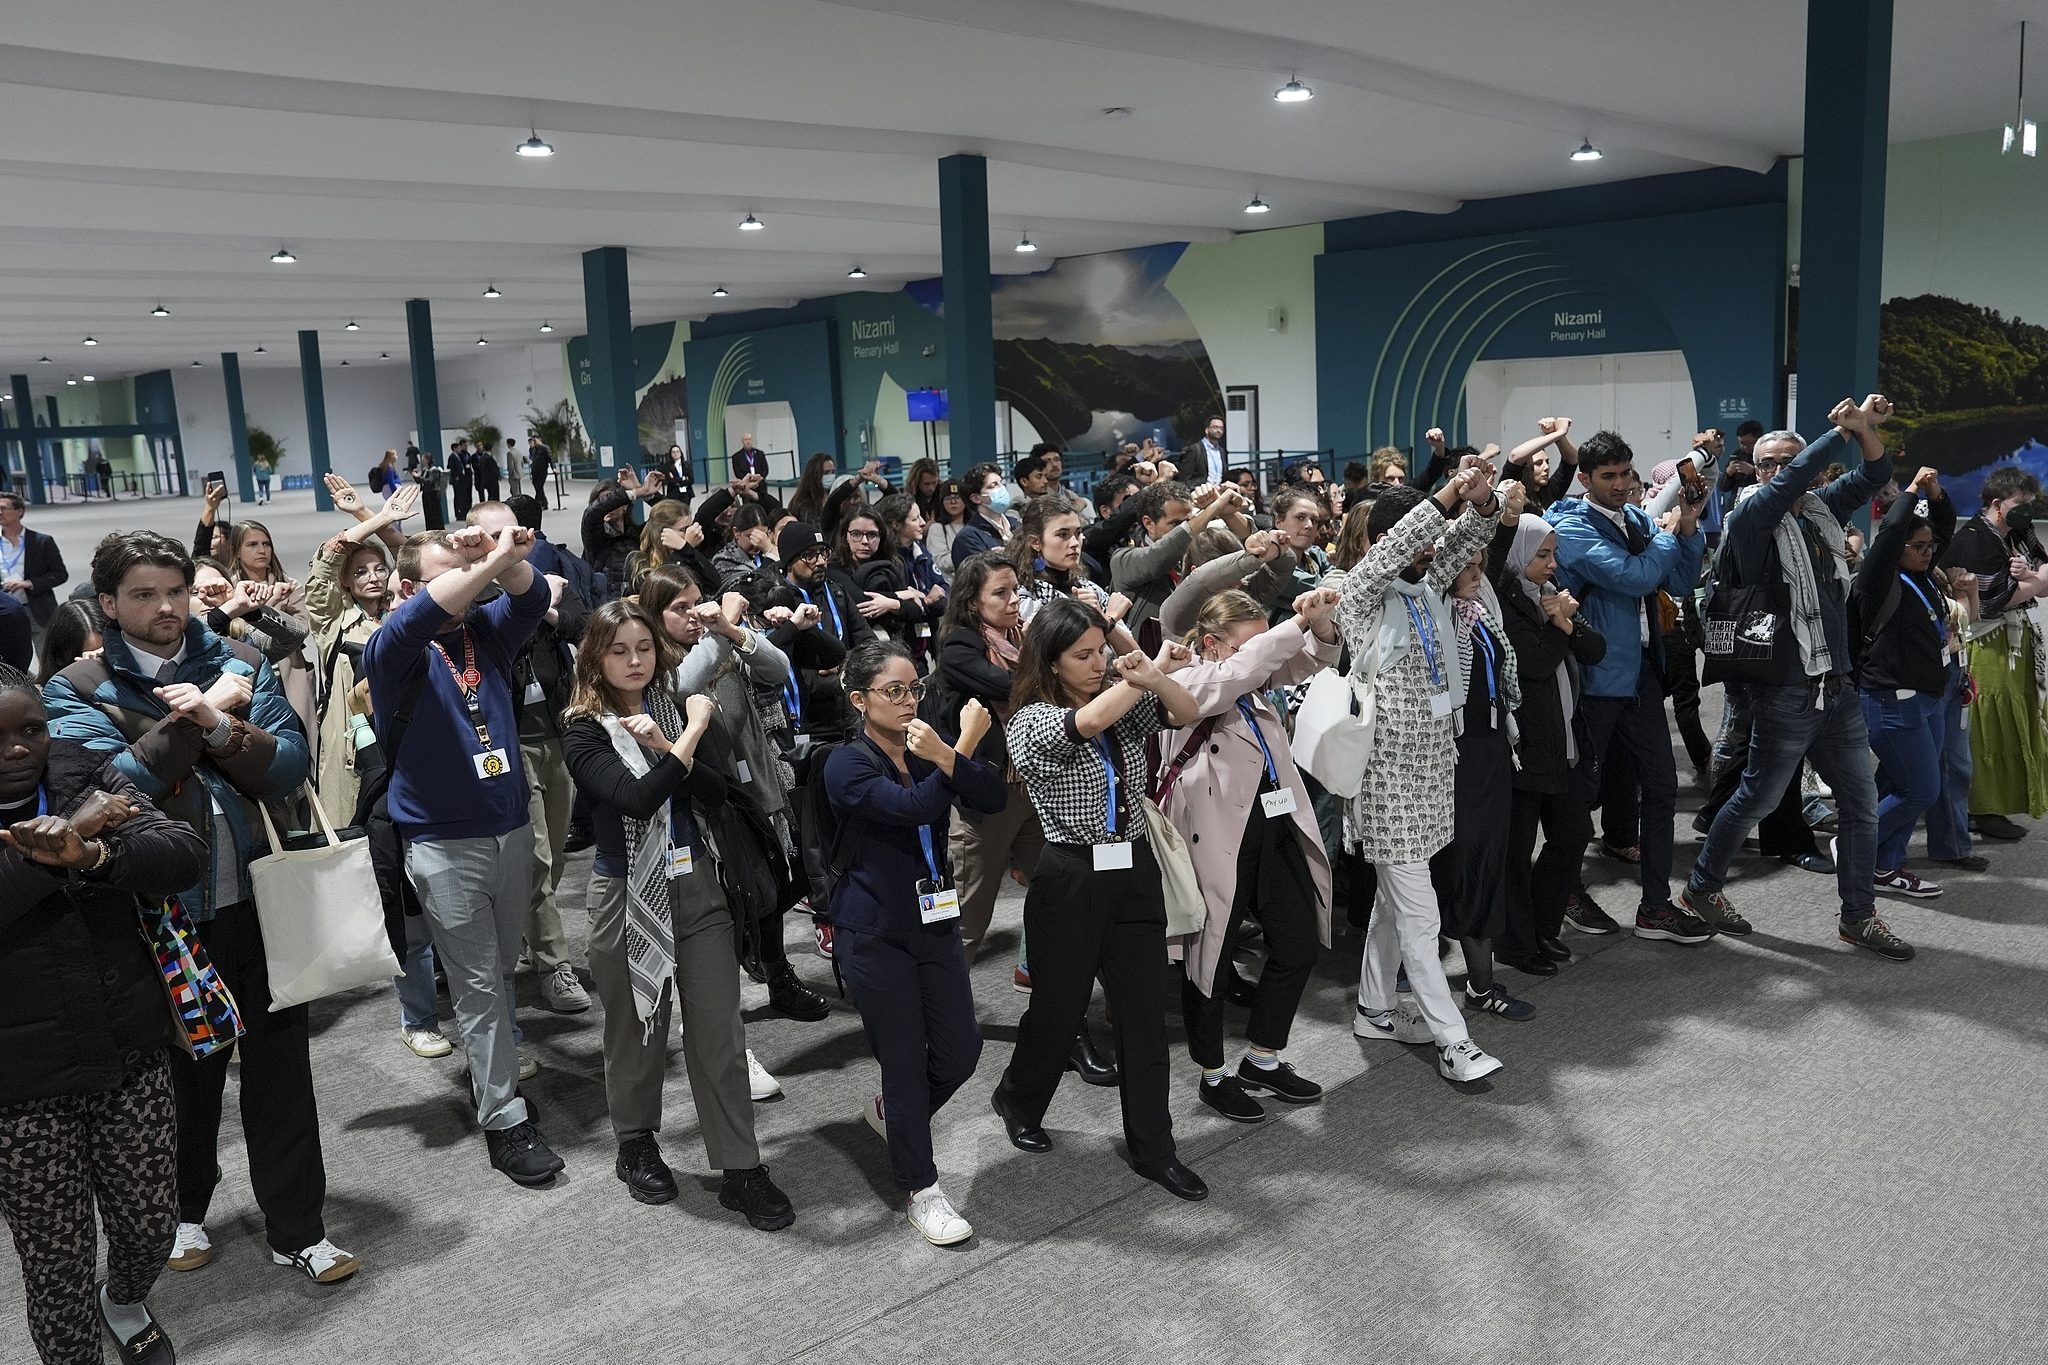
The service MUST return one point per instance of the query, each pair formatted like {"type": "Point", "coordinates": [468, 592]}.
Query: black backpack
{"type": "Point", "coordinates": [826, 845]}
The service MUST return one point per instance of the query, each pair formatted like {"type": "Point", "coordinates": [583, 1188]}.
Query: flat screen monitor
{"type": "Point", "coordinates": [927, 405]}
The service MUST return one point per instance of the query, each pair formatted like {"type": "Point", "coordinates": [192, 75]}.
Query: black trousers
{"type": "Point", "coordinates": [1538, 885]}
{"type": "Point", "coordinates": [1275, 887]}
{"type": "Point", "coordinates": [1636, 724]}
{"type": "Point", "coordinates": [1783, 833]}
{"type": "Point", "coordinates": [280, 1117]}
{"type": "Point", "coordinates": [1082, 923]}
{"type": "Point", "coordinates": [58, 1158]}
{"type": "Point", "coordinates": [917, 1007]}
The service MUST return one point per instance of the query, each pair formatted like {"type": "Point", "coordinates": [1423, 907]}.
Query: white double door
{"type": "Point", "coordinates": [1646, 396]}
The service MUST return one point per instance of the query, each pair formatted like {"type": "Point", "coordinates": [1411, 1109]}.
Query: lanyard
{"type": "Point", "coordinates": [1244, 704]}
{"type": "Point", "coordinates": [1426, 629]}
{"type": "Point", "coordinates": [924, 832]}
{"type": "Point", "coordinates": [469, 680]}
{"type": "Point", "coordinates": [13, 562]}
{"type": "Point", "coordinates": [792, 699]}
{"type": "Point", "coordinates": [838, 626]}
{"type": "Point", "coordinates": [1485, 639]}
{"type": "Point", "coordinates": [1940, 621]}
{"type": "Point", "coordinates": [1102, 751]}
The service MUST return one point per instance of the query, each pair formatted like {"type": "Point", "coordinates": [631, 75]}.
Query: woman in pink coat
{"type": "Point", "coordinates": [1236, 797]}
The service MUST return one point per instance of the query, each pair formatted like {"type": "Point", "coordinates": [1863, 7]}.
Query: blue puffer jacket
{"type": "Point", "coordinates": [1593, 562]}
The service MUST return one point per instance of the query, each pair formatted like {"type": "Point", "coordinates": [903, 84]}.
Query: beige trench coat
{"type": "Point", "coordinates": [1218, 789]}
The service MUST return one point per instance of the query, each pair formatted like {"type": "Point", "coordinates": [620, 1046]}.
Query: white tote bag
{"type": "Point", "coordinates": [322, 918]}
{"type": "Point", "coordinates": [1333, 725]}
{"type": "Point", "coordinates": [1186, 911]}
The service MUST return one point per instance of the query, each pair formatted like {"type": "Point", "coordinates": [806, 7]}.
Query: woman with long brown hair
{"type": "Point", "coordinates": [253, 555]}
{"type": "Point", "coordinates": [660, 929]}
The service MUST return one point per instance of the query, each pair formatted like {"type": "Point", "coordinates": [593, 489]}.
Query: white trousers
{"type": "Point", "coordinates": [1405, 923]}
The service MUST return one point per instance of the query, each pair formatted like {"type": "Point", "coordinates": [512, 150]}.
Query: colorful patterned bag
{"type": "Point", "coordinates": [203, 1011]}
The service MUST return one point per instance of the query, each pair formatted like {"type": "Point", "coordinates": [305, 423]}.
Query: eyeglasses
{"type": "Point", "coordinates": [897, 692]}
{"type": "Point", "coordinates": [1920, 547]}
{"type": "Point", "coordinates": [815, 552]}
{"type": "Point", "coordinates": [1772, 463]}
{"type": "Point", "coordinates": [863, 535]}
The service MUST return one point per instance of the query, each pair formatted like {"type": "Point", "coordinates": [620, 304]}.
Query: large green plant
{"type": "Point", "coordinates": [482, 435]}
{"type": "Point", "coordinates": [558, 430]}
{"type": "Point", "coordinates": [264, 446]}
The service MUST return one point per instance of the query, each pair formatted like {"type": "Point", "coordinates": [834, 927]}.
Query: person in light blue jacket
{"type": "Point", "coordinates": [1615, 560]}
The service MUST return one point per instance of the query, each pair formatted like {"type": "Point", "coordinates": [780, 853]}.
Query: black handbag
{"type": "Point", "coordinates": [1747, 627]}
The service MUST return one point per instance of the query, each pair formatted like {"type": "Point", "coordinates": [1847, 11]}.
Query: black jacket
{"type": "Point", "coordinates": [84, 1002]}
{"type": "Point", "coordinates": [605, 549]}
{"type": "Point", "coordinates": [965, 673]}
{"type": "Point", "coordinates": [1896, 619]}
{"type": "Point", "coordinates": [601, 775]}
{"type": "Point", "coordinates": [1539, 648]}
{"type": "Point", "coordinates": [42, 564]}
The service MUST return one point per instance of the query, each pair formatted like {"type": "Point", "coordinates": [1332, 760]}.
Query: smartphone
{"type": "Point", "coordinates": [216, 476]}
{"type": "Point", "coordinates": [1695, 481]}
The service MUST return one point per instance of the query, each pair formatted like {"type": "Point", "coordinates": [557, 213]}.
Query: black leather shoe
{"type": "Point", "coordinates": [1179, 1181]}
{"type": "Point", "coordinates": [787, 994]}
{"type": "Point", "coordinates": [150, 1346]}
{"type": "Point", "coordinates": [1025, 1137]}
{"type": "Point", "coordinates": [1238, 991]}
{"type": "Point", "coordinates": [1534, 966]}
{"type": "Point", "coordinates": [580, 838]}
{"type": "Point", "coordinates": [1554, 949]}
{"type": "Point", "coordinates": [519, 1152]}
{"type": "Point", "coordinates": [1996, 827]}
{"type": "Point", "coordinates": [751, 1192]}
{"type": "Point", "coordinates": [1229, 1098]}
{"type": "Point", "coordinates": [648, 1178]}
{"type": "Point", "coordinates": [1280, 1080]}
{"type": "Point", "coordinates": [1091, 1065]}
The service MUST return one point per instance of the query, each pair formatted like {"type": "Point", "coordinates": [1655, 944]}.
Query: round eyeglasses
{"type": "Point", "coordinates": [897, 692]}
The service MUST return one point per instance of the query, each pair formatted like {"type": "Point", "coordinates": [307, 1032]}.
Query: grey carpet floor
{"type": "Point", "coordinates": [1779, 1149]}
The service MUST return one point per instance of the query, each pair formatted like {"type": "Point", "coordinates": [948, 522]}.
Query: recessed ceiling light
{"type": "Point", "coordinates": [87, 378]}
{"type": "Point", "coordinates": [481, 342]}
{"type": "Point", "coordinates": [71, 383]}
{"type": "Point", "coordinates": [719, 292]}
{"type": "Point", "coordinates": [1294, 92]}
{"type": "Point", "coordinates": [159, 311]}
{"type": "Point", "coordinates": [1587, 151]}
{"type": "Point", "coordinates": [491, 291]}
{"type": "Point", "coordinates": [546, 326]}
{"type": "Point", "coordinates": [352, 326]}
{"type": "Point", "coordinates": [196, 365]}
{"type": "Point", "coordinates": [751, 224]}
{"type": "Point", "coordinates": [284, 256]}
{"type": "Point", "coordinates": [1025, 244]}
{"type": "Point", "coordinates": [1258, 205]}
{"type": "Point", "coordinates": [533, 146]}
{"type": "Point", "coordinates": [856, 274]}
{"type": "Point", "coordinates": [90, 341]}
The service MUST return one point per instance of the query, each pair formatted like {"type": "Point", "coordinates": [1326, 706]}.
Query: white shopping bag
{"type": "Point", "coordinates": [322, 917]}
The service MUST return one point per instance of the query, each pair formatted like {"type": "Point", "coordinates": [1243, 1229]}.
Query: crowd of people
{"type": "Point", "coordinates": [1195, 718]}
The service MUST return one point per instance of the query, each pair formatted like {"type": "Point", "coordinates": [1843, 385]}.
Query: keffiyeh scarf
{"type": "Point", "coordinates": [650, 937]}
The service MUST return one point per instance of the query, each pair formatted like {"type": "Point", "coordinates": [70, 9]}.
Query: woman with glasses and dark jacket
{"type": "Point", "coordinates": [896, 914]}
{"type": "Point", "coordinates": [866, 560]}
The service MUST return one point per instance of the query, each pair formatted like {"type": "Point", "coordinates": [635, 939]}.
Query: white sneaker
{"type": "Point", "coordinates": [323, 1262]}
{"type": "Point", "coordinates": [763, 1085]}
{"type": "Point", "coordinates": [426, 1042]}
{"type": "Point", "coordinates": [872, 1112]}
{"type": "Point", "coordinates": [1398, 1025]}
{"type": "Point", "coordinates": [528, 1068]}
{"type": "Point", "coordinates": [562, 991]}
{"type": "Point", "coordinates": [1463, 1061]}
{"type": "Point", "coordinates": [192, 1250]}
{"type": "Point", "coordinates": [932, 1214]}
{"type": "Point", "coordinates": [1454, 962]}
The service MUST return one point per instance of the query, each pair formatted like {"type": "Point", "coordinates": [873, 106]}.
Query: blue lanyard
{"type": "Point", "coordinates": [1244, 704]}
{"type": "Point", "coordinates": [1426, 629]}
{"type": "Point", "coordinates": [1101, 745]}
{"type": "Point", "coordinates": [838, 626]}
{"type": "Point", "coordinates": [1940, 621]}
{"type": "Point", "coordinates": [792, 699]}
{"type": "Point", "coordinates": [1485, 639]}
{"type": "Point", "coordinates": [924, 835]}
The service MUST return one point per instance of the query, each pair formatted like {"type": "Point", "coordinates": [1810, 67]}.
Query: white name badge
{"type": "Point", "coordinates": [491, 763]}
{"type": "Point", "coordinates": [534, 695]}
{"type": "Point", "coordinates": [1278, 803]}
{"type": "Point", "coordinates": [1112, 857]}
{"type": "Point", "coordinates": [745, 776]}
{"type": "Point", "coordinates": [1905, 694]}
{"type": "Point", "coordinates": [1441, 705]}
{"type": "Point", "coordinates": [924, 630]}
{"type": "Point", "coordinates": [679, 864]}
{"type": "Point", "coordinates": [933, 906]}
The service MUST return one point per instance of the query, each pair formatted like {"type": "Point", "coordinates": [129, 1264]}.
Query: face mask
{"type": "Point", "coordinates": [2020, 520]}
{"type": "Point", "coordinates": [999, 501]}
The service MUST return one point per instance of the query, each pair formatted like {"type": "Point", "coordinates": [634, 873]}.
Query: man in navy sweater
{"type": "Point", "coordinates": [459, 794]}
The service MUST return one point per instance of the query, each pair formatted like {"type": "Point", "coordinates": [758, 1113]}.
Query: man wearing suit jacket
{"type": "Point", "coordinates": [747, 460]}
{"type": "Point", "coordinates": [30, 564]}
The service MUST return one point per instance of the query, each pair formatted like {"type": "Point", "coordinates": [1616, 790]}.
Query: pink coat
{"type": "Point", "coordinates": [1218, 789]}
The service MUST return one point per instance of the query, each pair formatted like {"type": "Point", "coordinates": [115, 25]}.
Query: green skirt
{"type": "Point", "coordinates": [2008, 740]}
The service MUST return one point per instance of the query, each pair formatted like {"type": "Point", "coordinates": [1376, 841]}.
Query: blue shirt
{"type": "Point", "coordinates": [437, 791]}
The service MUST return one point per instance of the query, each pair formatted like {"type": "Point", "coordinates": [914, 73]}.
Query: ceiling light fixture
{"type": "Point", "coordinates": [481, 342]}
{"type": "Point", "coordinates": [259, 349]}
{"type": "Point", "coordinates": [284, 256]}
{"type": "Point", "coordinates": [383, 355]}
{"type": "Point", "coordinates": [1294, 92]}
{"type": "Point", "coordinates": [546, 326]}
{"type": "Point", "coordinates": [2021, 129]}
{"type": "Point", "coordinates": [719, 292]}
{"type": "Point", "coordinates": [44, 361]}
{"type": "Point", "coordinates": [533, 146]}
{"type": "Point", "coordinates": [1025, 244]}
{"type": "Point", "coordinates": [353, 326]}
{"type": "Point", "coordinates": [71, 383]}
{"type": "Point", "coordinates": [1587, 151]}
{"type": "Point", "coordinates": [751, 224]}
{"type": "Point", "coordinates": [856, 274]}
{"type": "Point", "coordinates": [344, 362]}
{"type": "Point", "coordinates": [90, 341]}
{"type": "Point", "coordinates": [491, 291]}
{"type": "Point", "coordinates": [88, 378]}
{"type": "Point", "coordinates": [196, 365]}
{"type": "Point", "coordinates": [159, 311]}
{"type": "Point", "coordinates": [1258, 205]}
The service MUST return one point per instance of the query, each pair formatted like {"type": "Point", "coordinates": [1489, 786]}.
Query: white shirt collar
{"type": "Point", "coordinates": [1619, 516]}
{"type": "Point", "coordinates": [140, 653]}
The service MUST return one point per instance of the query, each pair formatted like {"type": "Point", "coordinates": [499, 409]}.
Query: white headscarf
{"type": "Point", "coordinates": [1531, 534]}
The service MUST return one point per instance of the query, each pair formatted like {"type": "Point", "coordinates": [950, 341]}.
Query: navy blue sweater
{"type": "Point", "coordinates": [879, 893]}
{"type": "Point", "coordinates": [436, 791]}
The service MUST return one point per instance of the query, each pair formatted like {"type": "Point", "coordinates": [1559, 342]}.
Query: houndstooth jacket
{"type": "Point", "coordinates": [1403, 812]}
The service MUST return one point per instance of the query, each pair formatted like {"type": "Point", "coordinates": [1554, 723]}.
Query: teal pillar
{"type": "Point", "coordinates": [969, 324]}
{"type": "Point", "coordinates": [316, 418]}
{"type": "Point", "coordinates": [25, 436]}
{"type": "Point", "coordinates": [609, 383]}
{"type": "Point", "coordinates": [238, 424]}
{"type": "Point", "coordinates": [426, 393]}
{"type": "Point", "coordinates": [1841, 238]}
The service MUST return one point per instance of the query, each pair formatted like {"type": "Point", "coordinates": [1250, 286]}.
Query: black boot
{"type": "Point", "coordinates": [787, 994]}
{"type": "Point", "coordinates": [648, 1178]}
{"type": "Point", "coordinates": [1091, 1065]}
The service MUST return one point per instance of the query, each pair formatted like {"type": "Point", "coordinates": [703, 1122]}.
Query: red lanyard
{"type": "Point", "coordinates": [468, 679]}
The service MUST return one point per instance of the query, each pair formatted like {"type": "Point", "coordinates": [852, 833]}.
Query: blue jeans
{"type": "Point", "coordinates": [1907, 734]}
{"type": "Point", "coordinates": [1948, 819]}
{"type": "Point", "coordinates": [1821, 722]}
{"type": "Point", "coordinates": [417, 1005]}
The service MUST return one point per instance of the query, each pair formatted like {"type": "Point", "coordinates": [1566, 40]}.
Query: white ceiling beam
{"type": "Point", "coordinates": [1152, 35]}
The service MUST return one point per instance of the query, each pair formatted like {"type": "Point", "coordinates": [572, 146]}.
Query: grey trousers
{"type": "Point", "coordinates": [983, 850]}
{"type": "Point", "coordinates": [714, 1040]}
{"type": "Point", "coordinates": [475, 894]}
{"type": "Point", "coordinates": [550, 793]}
